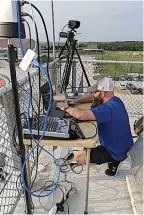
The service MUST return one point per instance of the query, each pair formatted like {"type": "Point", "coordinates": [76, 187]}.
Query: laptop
{"type": "Point", "coordinates": [54, 111]}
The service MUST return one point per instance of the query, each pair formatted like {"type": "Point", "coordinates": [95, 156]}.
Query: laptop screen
{"type": "Point", "coordinates": [54, 111]}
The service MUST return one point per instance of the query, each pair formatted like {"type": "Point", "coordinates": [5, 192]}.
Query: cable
{"type": "Point", "coordinates": [59, 36]}
{"type": "Point", "coordinates": [38, 115]}
{"type": "Point", "coordinates": [46, 33]}
{"type": "Point", "coordinates": [34, 24]}
{"type": "Point", "coordinates": [66, 166]}
{"type": "Point", "coordinates": [95, 133]}
{"type": "Point", "coordinates": [67, 206]}
{"type": "Point", "coordinates": [19, 26]}
{"type": "Point", "coordinates": [89, 123]}
{"type": "Point", "coordinates": [38, 144]}
{"type": "Point", "coordinates": [38, 45]}
{"type": "Point", "coordinates": [37, 38]}
{"type": "Point", "coordinates": [37, 153]}
{"type": "Point", "coordinates": [4, 76]}
{"type": "Point", "coordinates": [45, 123]}
{"type": "Point", "coordinates": [47, 188]}
{"type": "Point", "coordinates": [15, 134]}
{"type": "Point", "coordinates": [20, 194]}
{"type": "Point", "coordinates": [32, 98]}
{"type": "Point", "coordinates": [29, 32]}
{"type": "Point", "coordinates": [29, 79]}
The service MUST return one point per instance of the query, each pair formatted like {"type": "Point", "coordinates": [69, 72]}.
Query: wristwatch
{"type": "Point", "coordinates": [66, 107]}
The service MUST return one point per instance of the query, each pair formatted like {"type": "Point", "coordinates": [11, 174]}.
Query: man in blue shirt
{"type": "Point", "coordinates": [112, 121]}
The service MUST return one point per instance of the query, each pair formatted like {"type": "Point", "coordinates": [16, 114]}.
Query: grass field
{"type": "Point", "coordinates": [119, 69]}
{"type": "Point", "coordinates": [120, 56]}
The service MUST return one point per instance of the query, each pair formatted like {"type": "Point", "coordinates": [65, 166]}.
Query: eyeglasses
{"type": "Point", "coordinates": [95, 91]}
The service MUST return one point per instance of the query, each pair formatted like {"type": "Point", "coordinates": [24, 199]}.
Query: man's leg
{"type": "Point", "coordinates": [100, 155]}
{"type": "Point", "coordinates": [113, 168]}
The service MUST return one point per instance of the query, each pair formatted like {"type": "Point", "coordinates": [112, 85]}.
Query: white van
{"type": "Point", "coordinates": [122, 86]}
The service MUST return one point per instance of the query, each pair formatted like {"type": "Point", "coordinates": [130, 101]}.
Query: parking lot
{"type": "Point", "coordinates": [133, 102]}
{"type": "Point", "coordinates": [137, 84]}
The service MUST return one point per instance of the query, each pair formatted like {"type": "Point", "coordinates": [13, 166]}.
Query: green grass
{"type": "Point", "coordinates": [120, 56]}
{"type": "Point", "coordinates": [119, 69]}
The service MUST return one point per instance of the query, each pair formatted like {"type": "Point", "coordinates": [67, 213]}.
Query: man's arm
{"type": "Point", "coordinates": [81, 114]}
{"type": "Point", "coordinates": [77, 113]}
{"type": "Point", "coordinates": [85, 99]}
{"type": "Point", "coordinates": [82, 99]}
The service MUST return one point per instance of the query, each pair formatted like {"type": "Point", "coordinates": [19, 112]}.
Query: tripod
{"type": "Point", "coordinates": [70, 45]}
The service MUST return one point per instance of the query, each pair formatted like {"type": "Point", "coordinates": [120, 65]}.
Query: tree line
{"type": "Point", "coordinates": [114, 46]}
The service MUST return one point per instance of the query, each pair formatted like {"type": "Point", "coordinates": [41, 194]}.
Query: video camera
{"type": "Point", "coordinates": [72, 24]}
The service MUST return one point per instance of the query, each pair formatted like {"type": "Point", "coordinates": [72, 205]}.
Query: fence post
{"type": "Point", "coordinates": [8, 103]}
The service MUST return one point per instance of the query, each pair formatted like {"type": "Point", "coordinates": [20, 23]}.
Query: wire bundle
{"type": "Point", "coordinates": [37, 143]}
{"type": "Point", "coordinates": [66, 166]}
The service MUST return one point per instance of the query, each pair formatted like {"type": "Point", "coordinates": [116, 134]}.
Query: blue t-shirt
{"type": "Point", "coordinates": [113, 128]}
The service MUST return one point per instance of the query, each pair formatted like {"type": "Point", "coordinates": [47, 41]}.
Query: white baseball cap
{"type": "Point", "coordinates": [102, 84]}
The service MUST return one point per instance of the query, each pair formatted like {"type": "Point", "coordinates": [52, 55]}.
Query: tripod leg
{"type": "Point", "coordinates": [86, 77]}
{"type": "Point", "coordinates": [65, 80]}
{"type": "Point", "coordinates": [67, 69]}
{"type": "Point", "coordinates": [64, 48]}
{"type": "Point", "coordinates": [61, 52]}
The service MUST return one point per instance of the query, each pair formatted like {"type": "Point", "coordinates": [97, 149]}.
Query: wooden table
{"type": "Point", "coordinates": [88, 130]}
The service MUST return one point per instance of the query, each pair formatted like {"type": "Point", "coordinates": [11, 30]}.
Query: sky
{"type": "Point", "coordinates": [100, 20]}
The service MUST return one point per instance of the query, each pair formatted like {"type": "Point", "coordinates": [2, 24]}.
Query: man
{"type": "Point", "coordinates": [113, 125]}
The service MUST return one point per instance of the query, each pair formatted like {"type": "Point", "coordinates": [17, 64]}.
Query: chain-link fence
{"type": "Point", "coordinates": [10, 164]}
{"type": "Point", "coordinates": [127, 75]}
{"type": "Point", "coordinates": [10, 161]}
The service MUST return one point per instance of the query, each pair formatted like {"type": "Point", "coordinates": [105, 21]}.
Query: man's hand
{"type": "Point", "coordinates": [59, 97]}
{"type": "Point", "coordinates": [80, 157]}
{"type": "Point", "coordinates": [71, 101]}
{"type": "Point", "coordinates": [61, 105]}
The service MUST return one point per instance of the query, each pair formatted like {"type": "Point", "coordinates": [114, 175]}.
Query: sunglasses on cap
{"type": "Point", "coordinates": [95, 91]}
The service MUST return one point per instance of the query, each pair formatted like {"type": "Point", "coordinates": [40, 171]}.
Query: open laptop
{"type": "Point", "coordinates": [54, 111]}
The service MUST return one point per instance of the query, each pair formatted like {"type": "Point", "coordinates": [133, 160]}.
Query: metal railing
{"type": "Point", "coordinates": [11, 165]}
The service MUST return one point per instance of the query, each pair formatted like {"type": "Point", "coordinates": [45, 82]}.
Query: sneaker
{"type": "Point", "coordinates": [113, 168]}
{"type": "Point", "coordinates": [110, 165]}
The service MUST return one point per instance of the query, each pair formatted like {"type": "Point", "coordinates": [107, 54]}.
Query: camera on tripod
{"type": "Point", "coordinates": [70, 49]}
{"type": "Point", "coordinates": [72, 24]}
